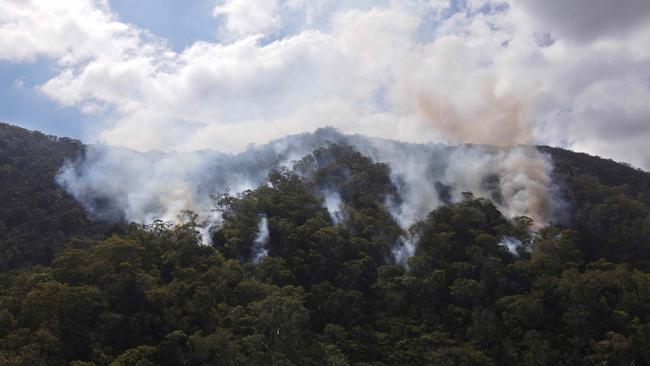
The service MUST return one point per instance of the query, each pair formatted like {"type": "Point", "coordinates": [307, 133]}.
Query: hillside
{"type": "Point", "coordinates": [302, 270]}
{"type": "Point", "coordinates": [37, 216]}
{"type": "Point", "coordinates": [608, 204]}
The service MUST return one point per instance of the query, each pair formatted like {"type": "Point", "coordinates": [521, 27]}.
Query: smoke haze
{"type": "Point", "coordinates": [120, 184]}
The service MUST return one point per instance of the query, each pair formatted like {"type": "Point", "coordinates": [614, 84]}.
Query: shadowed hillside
{"type": "Point", "coordinates": [36, 215]}
{"type": "Point", "coordinates": [608, 204]}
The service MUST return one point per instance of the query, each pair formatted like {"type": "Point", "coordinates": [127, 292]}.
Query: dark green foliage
{"type": "Point", "coordinates": [302, 234]}
{"type": "Point", "coordinates": [609, 205]}
{"type": "Point", "coordinates": [36, 215]}
{"type": "Point", "coordinates": [330, 293]}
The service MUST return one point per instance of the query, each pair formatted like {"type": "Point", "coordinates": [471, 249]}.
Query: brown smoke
{"type": "Point", "coordinates": [527, 181]}
{"type": "Point", "coordinates": [525, 178]}
{"type": "Point", "coordinates": [501, 123]}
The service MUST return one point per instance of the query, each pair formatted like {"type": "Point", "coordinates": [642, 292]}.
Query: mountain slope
{"type": "Point", "coordinates": [37, 216]}
{"type": "Point", "coordinates": [302, 271]}
{"type": "Point", "coordinates": [36, 210]}
{"type": "Point", "coordinates": [608, 204]}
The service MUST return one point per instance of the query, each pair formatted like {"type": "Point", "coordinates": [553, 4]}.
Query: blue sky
{"type": "Point", "coordinates": [180, 23]}
{"type": "Point", "coordinates": [221, 74]}
{"type": "Point", "coordinates": [24, 106]}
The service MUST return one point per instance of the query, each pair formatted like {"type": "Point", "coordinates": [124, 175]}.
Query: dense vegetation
{"type": "Point", "coordinates": [330, 293]}
{"type": "Point", "coordinates": [37, 217]}
{"type": "Point", "coordinates": [609, 207]}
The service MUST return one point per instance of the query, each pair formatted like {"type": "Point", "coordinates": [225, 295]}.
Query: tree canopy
{"type": "Point", "coordinates": [328, 291]}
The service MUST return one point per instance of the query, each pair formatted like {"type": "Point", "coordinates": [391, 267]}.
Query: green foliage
{"type": "Point", "coordinates": [330, 293]}
{"type": "Point", "coordinates": [608, 204]}
{"type": "Point", "coordinates": [36, 215]}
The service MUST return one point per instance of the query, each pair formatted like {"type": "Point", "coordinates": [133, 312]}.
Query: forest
{"type": "Point", "coordinates": [325, 290]}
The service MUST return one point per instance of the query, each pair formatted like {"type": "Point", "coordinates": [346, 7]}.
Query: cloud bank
{"type": "Point", "coordinates": [571, 73]}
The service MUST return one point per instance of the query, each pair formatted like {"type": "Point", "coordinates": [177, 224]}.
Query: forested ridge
{"type": "Point", "coordinates": [37, 217]}
{"type": "Point", "coordinates": [328, 291]}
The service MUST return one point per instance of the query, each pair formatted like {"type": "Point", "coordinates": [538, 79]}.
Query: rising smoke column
{"type": "Point", "coordinates": [333, 204]}
{"type": "Point", "coordinates": [495, 160]}
{"type": "Point", "coordinates": [260, 250]}
{"type": "Point", "coordinates": [500, 120]}
{"type": "Point", "coordinates": [512, 244]}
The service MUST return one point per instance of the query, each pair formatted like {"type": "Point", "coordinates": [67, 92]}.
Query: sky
{"type": "Point", "coordinates": [224, 74]}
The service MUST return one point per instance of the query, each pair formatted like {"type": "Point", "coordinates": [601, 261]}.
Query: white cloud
{"type": "Point", "coordinates": [249, 17]}
{"type": "Point", "coordinates": [400, 69]}
{"type": "Point", "coordinates": [69, 31]}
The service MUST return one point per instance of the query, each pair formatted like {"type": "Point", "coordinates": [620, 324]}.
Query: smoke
{"type": "Point", "coordinates": [259, 250]}
{"type": "Point", "coordinates": [517, 179]}
{"type": "Point", "coordinates": [121, 184]}
{"type": "Point", "coordinates": [206, 228]}
{"type": "Point", "coordinates": [512, 244]}
{"type": "Point", "coordinates": [521, 183]}
{"type": "Point", "coordinates": [379, 69]}
{"type": "Point", "coordinates": [498, 121]}
{"type": "Point", "coordinates": [333, 204]}
{"type": "Point", "coordinates": [405, 248]}
{"type": "Point", "coordinates": [116, 183]}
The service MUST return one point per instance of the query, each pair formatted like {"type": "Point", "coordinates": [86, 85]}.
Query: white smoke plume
{"type": "Point", "coordinates": [512, 244]}
{"type": "Point", "coordinates": [119, 184]}
{"type": "Point", "coordinates": [333, 204]}
{"type": "Point", "coordinates": [516, 178]}
{"type": "Point", "coordinates": [260, 250]}
{"type": "Point", "coordinates": [405, 248]}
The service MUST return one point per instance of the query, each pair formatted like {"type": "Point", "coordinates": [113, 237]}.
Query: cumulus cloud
{"type": "Point", "coordinates": [68, 31]}
{"type": "Point", "coordinates": [248, 17]}
{"type": "Point", "coordinates": [500, 72]}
